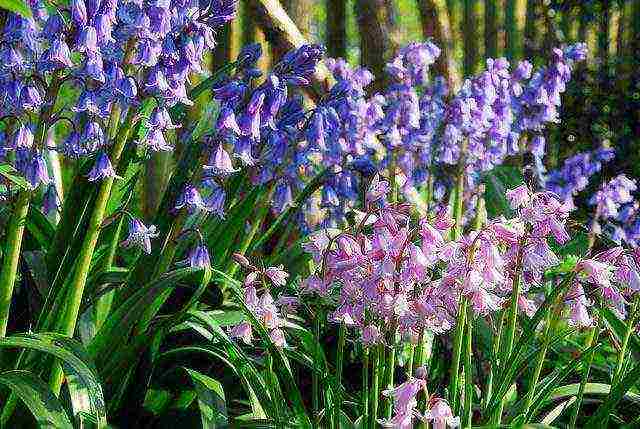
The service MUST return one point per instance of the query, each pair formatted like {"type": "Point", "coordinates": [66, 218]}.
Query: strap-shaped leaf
{"type": "Point", "coordinates": [38, 398]}
{"type": "Point", "coordinates": [81, 374]}
{"type": "Point", "coordinates": [7, 171]}
{"type": "Point", "coordinates": [211, 400]}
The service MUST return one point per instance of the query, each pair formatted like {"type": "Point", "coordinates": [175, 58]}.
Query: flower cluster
{"type": "Point", "coordinates": [393, 275]}
{"type": "Point", "coordinates": [115, 55]}
{"type": "Point", "coordinates": [412, 130]}
{"type": "Point", "coordinates": [576, 172]}
{"type": "Point", "coordinates": [258, 299]}
{"type": "Point", "coordinates": [606, 279]}
{"type": "Point", "coordinates": [405, 407]}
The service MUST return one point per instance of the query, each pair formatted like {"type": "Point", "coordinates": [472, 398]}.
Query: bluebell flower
{"type": "Point", "coordinates": [102, 169]}
{"type": "Point", "coordinates": [140, 235]}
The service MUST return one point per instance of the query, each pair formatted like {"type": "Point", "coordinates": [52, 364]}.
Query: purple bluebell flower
{"type": "Point", "coordinates": [199, 257]}
{"type": "Point", "coordinates": [36, 170]}
{"type": "Point", "coordinates": [50, 200]}
{"type": "Point", "coordinates": [102, 169]}
{"type": "Point", "coordinates": [190, 198]}
{"type": "Point", "coordinates": [140, 235]}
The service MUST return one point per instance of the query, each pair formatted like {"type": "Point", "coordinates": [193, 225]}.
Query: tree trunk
{"type": "Point", "coordinates": [252, 32]}
{"type": "Point", "coordinates": [454, 12]}
{"type": "Point", "coordinates": [531, 28]}
{"type": "Point", "coordinates": [434, 18]}
{"type": "Point", "coordinates": [336, 28]}
{"type": "Point", "coordinates": [491, 28]}
{"type": "Point", "coordinates": [470, 31]}
{"type": "Point", "coordinates": [300, 12]}
{"type": "Point", "coordinates": [281, 32]}
{"type": "Point", "coordinates": [513, 12]}
{"type": "Point", "coordinates": [603, 43]}
{"type": "Point", "coordinates": [378, 40]}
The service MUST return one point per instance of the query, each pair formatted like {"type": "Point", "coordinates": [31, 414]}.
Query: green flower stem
{"type": "Point", "coordinates": [103, 306]}
{"type": "Point", "coordinates": [15, 229]}
{"type": "Point", "coordinates": [78, 281]}
{"type": "Point", "coordinates": [378, 357]}
{"type": "Point", "coordinates": [631, 323]}
{"type": "Point", "coordinates": [468, 377]}
{"type": "Point", "coordinates": [410, 359]}
{"type": "Point", "coordinates": [365, 385]}
{"type": "Point", "coordinates": [457, 353]}
{"type": "Point", "coordinates": [391, 366]}
{"type": "Point", "coordinates": [12, 248]}
{"type": "Point", "coordinates": [392, 176]}
{"type": "Point", "coordinates": [261, 214]}
{"type": "Point", "coordinates": [313, 185]}
{"type": "Point", "coordinates": [592, 337]}
{"type": "Point", "coordinates": [495, 351]}
{"type": "Point", "coordinates": [540, 358]}
{"type": "Point", "coordinates": [337, 401]}
{"type": "Point", "coordinates": [315, 390]}
{"type": "Point", "coordinates": [512, 321]}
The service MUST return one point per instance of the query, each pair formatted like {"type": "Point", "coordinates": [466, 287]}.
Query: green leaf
{"type": "Point", "coordinates": [497, 182]}
{"type": "Point", "coordinates": [211, 399]}
{"type": "Point", "coordinates": [617, 393]}
{"type": "Point", "coordinates": [81, 374]}
{"type": "Point", "coordinates": [37, 396]}
{"type": "Point", "coordinates": [590, 389]}
{"type": "Point", "coordinates": [7, 171]}
{"type": "Point", "coordinates": [16, 6]}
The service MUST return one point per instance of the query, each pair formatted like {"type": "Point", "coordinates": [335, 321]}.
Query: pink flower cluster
{"type": "Point", "coordinates": [392, 273]}
{"type": "Point", "coordinates": [260, 302]}
{"type": "Point", "coordinates": [608, 277]}
{"type": "Point", "coordinates": [405, 407]}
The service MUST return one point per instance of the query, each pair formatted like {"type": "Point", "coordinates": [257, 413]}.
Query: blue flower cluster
{"type": "Point", "coordinates": [113, 54]}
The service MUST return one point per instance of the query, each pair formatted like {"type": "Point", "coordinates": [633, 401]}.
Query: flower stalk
{"type": "Point", "coordinates": [592, 338]}
{"type": "Point", "coordinates": [67, 323]}
{"type": "Point", "coordinates": [12, 248]}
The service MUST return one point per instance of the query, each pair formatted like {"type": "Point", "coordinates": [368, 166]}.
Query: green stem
{"type": "Point", "coordinates": [539, 362]}
{"type": "Point", "coordinates": [512, 321]}
{"type": "Point", "coordinates": [591, 339]}
{"type": "Point", "coordinates": [313, 185]}
{"type": "Point", "coordinates": [337, 402]}
{"type": "Point", "coordinates": [625, 341]}
{"type": "Point", "coordinates": [103, 306]}
{"type": "Point", "coordinates": [454, 394]}
{"type": "Point", "coordinates": [314, 376]}
{"type": "Point", "coordinates": [495, 350]}
{"type": "Point", "coordinates": [365, 385]}
{"type": "Point", "coordinates": [410, 359]}
{"type": "Point", "coordinates": [377, 368]}
{"type": "Point", "coordinates": [390, 367]}
{"type": "Point", "coordinates": [15, 230]}
{"type": "Point", "coordinates": [78, 281]}
{"type": "Point", "coordinates": [392, 176]}
{"type": "Point", "coordinates": [263, 210]}
{"type": "Point", "coordinates": [468, 377]}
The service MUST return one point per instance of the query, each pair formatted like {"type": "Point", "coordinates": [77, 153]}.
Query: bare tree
{"type": "Point", "coordinates": [336, 28]}
{"type": "Point", "coordinates": [434, 18]}
{"type": "Point", "coordinates": [378, 39]}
